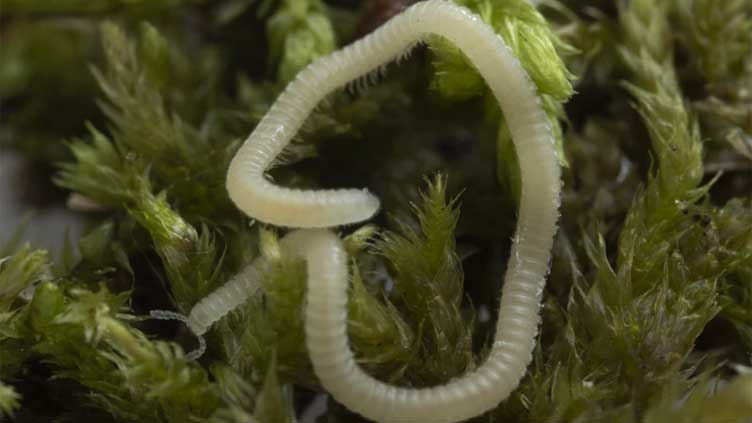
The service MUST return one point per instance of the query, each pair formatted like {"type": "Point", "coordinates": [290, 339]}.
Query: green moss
{"type": "Point", "coordinates": [19, 272]}
{"type": "Point", "coordinates": [299, 32]}
{"type": "Point", "coordinates": [647, 308]}
{"type": "Point", "coordinates": [8, 400]}
{"type": "Point", "coordinates": [428, 285]}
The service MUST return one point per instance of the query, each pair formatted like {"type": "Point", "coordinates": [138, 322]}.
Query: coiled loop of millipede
{"type": "Point", "coordinates": [326, 311]}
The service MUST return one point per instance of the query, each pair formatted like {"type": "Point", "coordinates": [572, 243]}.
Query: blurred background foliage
{"type": "Point", "coordinates": [133, 109]}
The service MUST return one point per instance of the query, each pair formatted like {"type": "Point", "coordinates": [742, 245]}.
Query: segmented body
{"type": "Point", "coordinates": [233, 293]}
{"type": "Point", "coordinates": [326, 310]}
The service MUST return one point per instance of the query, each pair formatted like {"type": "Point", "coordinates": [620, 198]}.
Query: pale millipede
{"type": "Point", "coordinates": [326, 311]}
{"type": "Point", "coordinates": [233, 293]}
{"type": "Point", "coordinates": [216, 305]}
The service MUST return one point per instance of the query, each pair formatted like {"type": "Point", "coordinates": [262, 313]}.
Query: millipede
{"type": "Point", "coordinates": [313, 211]}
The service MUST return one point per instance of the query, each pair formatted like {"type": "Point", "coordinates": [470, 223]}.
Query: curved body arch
{"type": "Point", "coordinates": [326, 311]}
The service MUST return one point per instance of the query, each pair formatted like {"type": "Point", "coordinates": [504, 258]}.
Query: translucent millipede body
{"type": "Point", "coordinates": [326, 310]}
{"type": "Point", "coordinates": [216, 305]}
